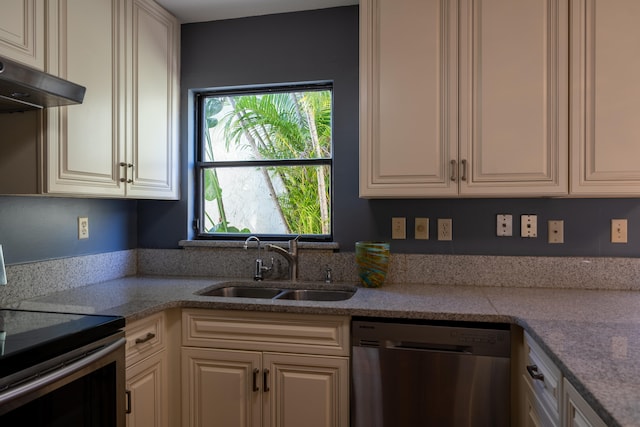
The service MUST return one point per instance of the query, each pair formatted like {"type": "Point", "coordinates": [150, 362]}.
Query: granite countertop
{"type": "Point", "coordinates": [592, 335]}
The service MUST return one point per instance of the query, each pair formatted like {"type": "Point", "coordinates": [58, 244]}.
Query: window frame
{"type": "Point", "coordinates": [200, 165]}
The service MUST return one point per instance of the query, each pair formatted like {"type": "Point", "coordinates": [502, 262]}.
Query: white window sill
{"type": "Point", "coordinates": [325, 246]}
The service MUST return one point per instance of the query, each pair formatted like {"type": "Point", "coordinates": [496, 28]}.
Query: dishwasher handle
{"type": "Point", "coordinates": [422, 346]}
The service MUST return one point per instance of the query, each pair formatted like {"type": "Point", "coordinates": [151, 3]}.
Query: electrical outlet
{"type": "Point", "coordinates": [422, 229]}
{"type": "Point", "coordinates": [556, 231]}
{"type": "Point", "coordinates": [529, 226]}
{"type": "Point", "coordinates": [83, 227]}
{"type": "Point", "coordinates": [618, 231]}
{"type": "Point", "coordinates": [399, 228]}
{"type": "Point", "coordinates": [504, 226]}
{"type": "Point", "coordinates": [445, 231]}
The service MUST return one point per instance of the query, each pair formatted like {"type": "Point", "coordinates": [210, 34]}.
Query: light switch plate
{"type": "Point", "coordinates": [618, 231]}
{"type": "Point", "coordinates": [399, 228]}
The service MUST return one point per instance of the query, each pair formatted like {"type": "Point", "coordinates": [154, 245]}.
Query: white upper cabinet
{"type": "Point", "coordinates": [152, 151]}
{"type": "Point", "coordinates": [513, 97]}
{"type": "Point", "coordinates": [408, 98]}
{"type": "Point", "coordinates": [22, 31]}
{"type": "Point", "coordinates": [84, 143]}
{"type": "Point", "coordinates": [122, 141]}
{"type": "Point", "coordinates": [489, 119]}
{"type": "Point", "coordinates": [605, 130]}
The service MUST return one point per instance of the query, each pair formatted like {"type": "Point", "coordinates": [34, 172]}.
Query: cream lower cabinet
{"type": "Point", "coordinates": [577, 412]}
{"type": "Point", "coordinates": [549, 399]}
{"type": "Point", "coordinates": [151, 377]}
{"type": "Point", "coordinates": [22, 31]}
{"type": "Point", "coordinates": [264, 369]}
{"type": "Point", "coordinates": [463, 98]}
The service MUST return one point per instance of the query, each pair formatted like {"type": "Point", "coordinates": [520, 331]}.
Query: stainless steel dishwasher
{"type": "Point", "coordinates": [430, 374]}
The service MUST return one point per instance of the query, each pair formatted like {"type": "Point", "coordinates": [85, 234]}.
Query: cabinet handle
{"type": "Point", "coordinates": [148, 337]}
{"type": "Point", "coordinates": [256, 371]}
{"type": "Point", "coordinates": [124, 178]}
{"type": "Point", "coordinates": [464, 170]}
{"type": "Point", "coordinates": [265, 380]}
{"type": "Point", "coordinates": [128, 405]}
{"type": "Point", "coordinates": [454, 171]}
{"type": "Point", "coordinates": [130, 166]}
{"type": "Point", "coordinates": [534, 373]}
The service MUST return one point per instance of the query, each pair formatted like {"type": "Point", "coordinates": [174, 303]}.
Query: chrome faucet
{"type": "Point", "coordinates": [291, 256]}
{"type": "Point", "coordinates": [260, 267]}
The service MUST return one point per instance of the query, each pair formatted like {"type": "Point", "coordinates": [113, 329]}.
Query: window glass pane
{"type": "Point", "coordinates": [267, 200]}
{"type": "Point", "coordinates": [288, 125]}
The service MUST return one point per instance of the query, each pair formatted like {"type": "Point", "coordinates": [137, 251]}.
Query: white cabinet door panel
{"type": "Point", "coordinates": [605, 93]}
{"type": "Point", "coordinates": [22, 31]}
{"type": "Point", "coordinates": [408, 124]}
{"type": "Point", "coordinates": [513, 97]}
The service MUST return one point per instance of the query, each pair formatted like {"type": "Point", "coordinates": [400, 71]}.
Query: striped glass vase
{"type": "Point", "coordinates": [373, 262]}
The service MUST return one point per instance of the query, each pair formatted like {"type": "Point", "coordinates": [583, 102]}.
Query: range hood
{"type": "Point", "coordinates": [23, 88]}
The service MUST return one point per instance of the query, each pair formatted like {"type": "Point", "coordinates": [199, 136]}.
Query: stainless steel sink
{"type": "Point", "coordinates": [275, 290]}
{"type": "Point", "coordinates": [317, 295]}
{"type": "Point", "coordinates": [242, 292]}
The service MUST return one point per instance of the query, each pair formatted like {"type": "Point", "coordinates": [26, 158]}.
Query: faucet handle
{"type": "Point", "coordinates": [327, 274]}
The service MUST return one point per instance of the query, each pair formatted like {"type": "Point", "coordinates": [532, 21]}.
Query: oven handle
{"type": "Point", "coordinates": [60, 373]}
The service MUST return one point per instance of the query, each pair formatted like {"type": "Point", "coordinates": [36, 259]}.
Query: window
{"type": "Point", "coordinates": [264, 162]}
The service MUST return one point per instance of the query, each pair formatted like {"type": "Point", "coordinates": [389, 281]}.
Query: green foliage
{"type": "Point", "coordinates": [212, 188]}
{"type": "Point", "coordinates": [281, 126]}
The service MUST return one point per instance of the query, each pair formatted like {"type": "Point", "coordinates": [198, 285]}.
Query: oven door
{"type": "Point", "coordinates": [85, 387]}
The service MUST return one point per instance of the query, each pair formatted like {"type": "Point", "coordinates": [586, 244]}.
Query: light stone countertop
{"type": "Point", "coordinates": [592, 335]}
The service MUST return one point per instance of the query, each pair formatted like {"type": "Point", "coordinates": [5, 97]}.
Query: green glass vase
{"type": "Point", "coordinates": [373, 263]}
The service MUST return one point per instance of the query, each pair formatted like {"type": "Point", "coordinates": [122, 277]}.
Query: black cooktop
{"type": "Point", "coordinates": [28, 338]}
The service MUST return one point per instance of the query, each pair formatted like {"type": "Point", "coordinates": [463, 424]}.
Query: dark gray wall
{"type": "Point", "coordinates": [323, 45]}
{"type": "Point", "coordinates": [40, 228]}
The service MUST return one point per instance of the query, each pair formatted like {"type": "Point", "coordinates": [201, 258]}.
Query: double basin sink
{"type": "Point", "coordinates": [299, 291]}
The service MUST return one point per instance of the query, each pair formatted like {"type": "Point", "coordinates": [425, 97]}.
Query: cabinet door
{"type": "Point", "coordinates": [513, 97]}
{"type": "Point", "coordinates": [221, 388]}
{"type": "Point", "coordinates": [605, 90]}
{"type": "Point", "coordinates": [147, 384]}
{"type": "Point", "coordinates": [22, 31]}
{"type": "Point", "coordinates": [536, 414]}
{"type": "Point", "coordinates": [310, 391]}
{"type": "Point", "coordinates": [152, 131]}
{"type": "Point", "coordinates": [577, 412]}
{"type": "Point", "coordinates": [83, 145]}
{"type": "Point", "coordinates": [408, 98]}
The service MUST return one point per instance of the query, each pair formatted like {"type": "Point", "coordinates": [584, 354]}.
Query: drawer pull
{"type": "Point", "coordinates": [256, 371]}
{"type": "Point", "coordinates": [265, 380]}
{"type": "Point", "coordinates": [534, 373]}
{"type": "Point", "coordinates": [148, 337]}
{"type": "Point", "coordinates": [128, 403]}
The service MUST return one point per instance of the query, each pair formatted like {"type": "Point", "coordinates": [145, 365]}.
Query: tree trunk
{"type": "Point", "coordinates": [265, 174]}
{"type": "Point", "coordinates": [322, 185]}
